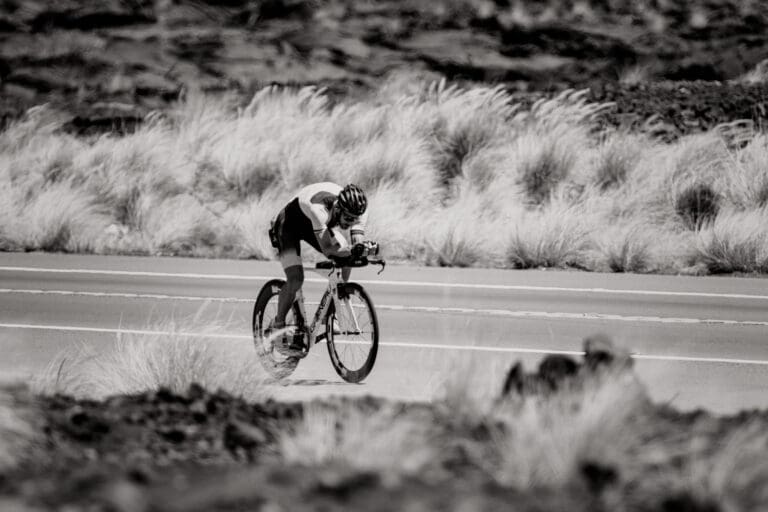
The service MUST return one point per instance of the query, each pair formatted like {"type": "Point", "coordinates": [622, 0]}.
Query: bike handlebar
{"type": "Point", "coordinates": [334, 263]}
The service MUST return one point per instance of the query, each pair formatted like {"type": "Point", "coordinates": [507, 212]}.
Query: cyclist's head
{"type": "Point", "coordinates": [352, 201]}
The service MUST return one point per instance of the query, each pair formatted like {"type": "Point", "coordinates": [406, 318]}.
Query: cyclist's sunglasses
{"type": "Point", "coordinates": [349, 219]}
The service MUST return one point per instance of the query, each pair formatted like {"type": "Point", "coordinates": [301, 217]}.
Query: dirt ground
{"type": "Point", "coordinates": [109, 63]}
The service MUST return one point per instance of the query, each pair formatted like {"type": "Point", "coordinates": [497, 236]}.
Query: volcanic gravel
{"type": "Point", "coordinates": [109, 63]}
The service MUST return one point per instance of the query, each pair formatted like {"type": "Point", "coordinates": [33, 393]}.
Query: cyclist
{"type": "Point", "coordinates": [329, 218]}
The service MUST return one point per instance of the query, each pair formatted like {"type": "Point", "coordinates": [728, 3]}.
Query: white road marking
{"type": "Point", "coordinates": [422, 309]}
{"type": "Point", "coordinates": [435, 346]}
{"type": "Point", "coordinates": [238, 277]}
{"type": "Point", "coordinates": [125, 295]}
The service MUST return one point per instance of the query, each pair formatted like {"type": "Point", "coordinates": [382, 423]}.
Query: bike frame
{"type": "Point", "coordinates": [331, 296]}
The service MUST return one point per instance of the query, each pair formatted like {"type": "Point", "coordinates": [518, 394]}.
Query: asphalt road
{"type": "Point", "coordinates": [697, 342]}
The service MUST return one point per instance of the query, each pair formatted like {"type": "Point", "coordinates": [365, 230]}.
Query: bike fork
{"type": "Point", "coordinates": [352, 314]}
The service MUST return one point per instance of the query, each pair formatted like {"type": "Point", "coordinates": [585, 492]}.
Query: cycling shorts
{"type": "Point", "coordinates": [291, 226]}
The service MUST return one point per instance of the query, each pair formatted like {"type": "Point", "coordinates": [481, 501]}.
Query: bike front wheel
{"type": "Point", "coordinates": [352, 333]}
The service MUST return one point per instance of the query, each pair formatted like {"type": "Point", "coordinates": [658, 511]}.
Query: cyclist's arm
{"type": "Point", "coordinates": [331, 243]}
{"type": "Point", "coordinates": [357, 231]}
{"type": "Point", "coordinates": [357, 236]}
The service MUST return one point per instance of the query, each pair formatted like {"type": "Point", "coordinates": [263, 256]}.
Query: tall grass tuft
{"type": "Point", "coordinates": [625, 248]}
{"type": "Point", "coordinates": [554, 133]}
{"type": "Point", "coordinates": [697, 205]}
{"type": "Point", "coordinates": [734, 475]}
{"type": "Point", "coordinates": [737, 241]}
{"type": "Point", "coordinates": [466, 232]}
{"type": "Point", "coordinates": [556, 236]}
{"type": "Point", "coordinates": [617, 159]}
{"type": "Point", "coordinates": [544, 164]}
{"type": "Point", "coordinates": [745, 185]}
{"type": "Point", "coordinates": [60, 218]}
{"type": "Point", "coordinates": [543, 442]}
{"type": "Point", "coordinates": [543, 439]}
{"type": "Point", "coordinates": [386, 440]}
{"type": "Point", "coordinates": [167, 357]}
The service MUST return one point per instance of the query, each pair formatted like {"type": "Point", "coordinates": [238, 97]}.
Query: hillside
{"type": "Point", "coordinates": [108, 63]}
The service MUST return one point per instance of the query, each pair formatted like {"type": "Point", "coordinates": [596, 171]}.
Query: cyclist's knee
{"type": "Point", "coordinates": [294, 277]}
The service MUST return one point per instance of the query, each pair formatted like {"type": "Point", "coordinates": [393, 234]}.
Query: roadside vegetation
{"type": "Point", "coordinates": [167, 356]}
{"type": "Point", "coordinates": [458, 177]}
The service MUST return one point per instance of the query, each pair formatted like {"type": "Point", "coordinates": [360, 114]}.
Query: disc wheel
{"type": "Point", "coordinates": [264, 311]}
{"type": "Point", "coordinates": [352, 333]}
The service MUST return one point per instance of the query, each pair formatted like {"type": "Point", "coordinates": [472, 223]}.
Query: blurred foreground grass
{"type": "Point", "coordinates": [577, 434]}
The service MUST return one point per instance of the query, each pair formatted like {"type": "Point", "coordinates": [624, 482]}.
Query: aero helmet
{"type": "Point", "coordinates": [352, 200]}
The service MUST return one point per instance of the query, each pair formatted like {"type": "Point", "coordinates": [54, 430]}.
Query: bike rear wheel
{"type": "Point", "coordinates": [264, 311]}
{"type": "Point", "coordinates": [353, 345]}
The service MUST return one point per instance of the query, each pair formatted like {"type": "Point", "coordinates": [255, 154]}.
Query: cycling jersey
{"type": "Point", "coordinates": [305, 216]}
{"type": "Point", "coordinates": [316, 202]}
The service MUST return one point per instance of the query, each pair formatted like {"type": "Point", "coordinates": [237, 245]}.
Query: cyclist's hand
{"type": "Point", "coordinates": [359, 250]}
{"type": "Point", "coordinates": [366, 248]}
{"type": "Point", "coordinates": [373, 248]}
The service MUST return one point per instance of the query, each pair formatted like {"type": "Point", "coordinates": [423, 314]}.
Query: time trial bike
{"type": "Point", "coordinates": [345, 319]}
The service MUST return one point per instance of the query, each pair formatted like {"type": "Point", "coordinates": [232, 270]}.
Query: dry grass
{"type": "Point", "coordinates": [554, 237]}
{"type": "Point", "coordinates": [624, 248]}
{"type": "Point", "coordinates": [462, 177]}
{"type": "Point", "coordinates": [735, 242]}
{"type": "Point", "coordinates": [757, 75]}
{"type": "Point", "coordinates": [168, 357]}
{"type": "Point", "coordinates": [544, 441]}
{"type": "Point", "coordinates": [735, 473]}
{"type": "Point", "coordinates": [385, 440]}
{"type": "Point", "coordinates": [532, 440]}
{"type": "Point", "coordinates": [19, 426]}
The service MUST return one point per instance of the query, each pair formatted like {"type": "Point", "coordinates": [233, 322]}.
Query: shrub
{"type": "Point", "coordinates": [735, 242]}
{"type": "Point", "coordinates": [544, 443]}
{"type": "Point", "coordinates": [547, 165]}
{"type": "Point", "coordinates": [745, 185]}
{"type": "Point", "coordinates": [554, 237]}
{"type": "Point", "coordinates": [61, 218]}
{"type": "Point", "coordinates": [624, 248]}
{"type": "Point", "coordinates": [697, 205]}
{"type": "Point", "coordinates": [617, 158]}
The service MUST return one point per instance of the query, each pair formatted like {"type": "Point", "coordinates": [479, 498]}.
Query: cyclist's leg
{"type": "Point", "coordinates": [288, 232]}
{"type": "Point", "coordinates": [294, 279]}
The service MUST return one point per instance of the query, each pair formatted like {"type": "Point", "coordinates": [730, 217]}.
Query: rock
{"type": "Point", "coordinates": [599, 351]}
{"type": "Point", "coordinates": [239, 435]}
{"type": "Point", "coordinates": [598, 475]}
{"type": "Point", "coordinates": [173, 435]}
{"type": "Point", "coordinates": [342, 482]}
{"type": "Point", "coordinates": [84, 426]}
{"type": "Point", "coordinates": [554, 368]}
{"type": "Point", "coordinates": [514, 380]}
{"type": "Point", "coordinates": [685, 502]}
